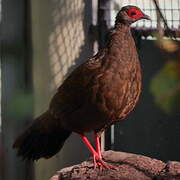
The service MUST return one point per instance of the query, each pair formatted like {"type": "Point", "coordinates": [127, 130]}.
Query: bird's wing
{"type": "Point", "coordinates": [73, 93]}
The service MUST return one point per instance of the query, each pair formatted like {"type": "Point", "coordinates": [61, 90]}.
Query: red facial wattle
{"type": "Point", "coordinates": [134, 13]}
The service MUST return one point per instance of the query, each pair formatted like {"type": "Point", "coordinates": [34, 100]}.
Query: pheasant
{"type": "Point", "coordinates": [100, 92]}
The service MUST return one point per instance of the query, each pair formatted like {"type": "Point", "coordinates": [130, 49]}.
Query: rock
{"type": "Point", "coordinates": [127, 166]}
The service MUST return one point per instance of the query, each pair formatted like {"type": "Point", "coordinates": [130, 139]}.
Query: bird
{"type": "Point", "coordinates": [98, 93]}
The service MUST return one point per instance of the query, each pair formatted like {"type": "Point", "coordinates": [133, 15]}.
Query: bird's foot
{"type": "Point", "coordinates": [103, 164]}
{"type": "Point", "coordinates": [97, 157]}
{"type": "Point", "coordinates": [99, 163]}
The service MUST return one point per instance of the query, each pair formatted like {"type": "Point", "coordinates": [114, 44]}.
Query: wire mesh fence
{"type": "Point", "coordinates": [170, 10]}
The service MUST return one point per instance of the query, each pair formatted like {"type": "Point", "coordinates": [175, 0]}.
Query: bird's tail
{"type": "Point", "coordinates": [44, 138]}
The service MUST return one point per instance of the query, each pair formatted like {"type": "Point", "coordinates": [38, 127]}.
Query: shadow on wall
{"type": "Point", "coordinates": [60, 43]}
{"type": "Point", "coordinates": [69, 44]}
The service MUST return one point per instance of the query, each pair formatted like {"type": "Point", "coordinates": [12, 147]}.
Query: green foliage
{"type": "Point", "coordinates": [165, 86]}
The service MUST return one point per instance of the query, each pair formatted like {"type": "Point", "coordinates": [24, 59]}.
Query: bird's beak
{"type": "Point", "coordinates": [146, 17]}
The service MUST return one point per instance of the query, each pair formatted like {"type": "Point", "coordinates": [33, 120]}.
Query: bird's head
{"type": "Point", "coordinates": [130, 14]}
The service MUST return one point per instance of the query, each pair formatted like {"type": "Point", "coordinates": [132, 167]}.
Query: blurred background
{"type": "Point", "coordinates": [42, 41]}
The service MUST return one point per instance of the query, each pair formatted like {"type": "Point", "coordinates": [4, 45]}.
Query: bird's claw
{"type": "Point", "coordinates": [98, 162]}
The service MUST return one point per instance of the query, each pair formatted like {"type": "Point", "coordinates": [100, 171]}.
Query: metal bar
{"type": "Point", "coordinates": [102, 24]}
{"type": "Point", "coordinates": [162, 17]}
{"type": "Point", "coordinates": [150, 5]}
{"type": "Point", "coordinates": [172, 14]}
{"type": "Point", "coordinates": [159, 28]}
{"type": "Point", "coordinates": [163, 9]}
{"type": "Point", "coordinates": [102, 32]}
{"type": "Point", "coordinates": [179, 11]}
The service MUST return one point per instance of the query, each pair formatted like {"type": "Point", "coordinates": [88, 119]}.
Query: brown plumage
{"type": "Point", "coordinates": [100, 92]}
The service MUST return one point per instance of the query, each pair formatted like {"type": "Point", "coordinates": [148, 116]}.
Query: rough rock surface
{"type": "Point", "coordinates": [126, 167]}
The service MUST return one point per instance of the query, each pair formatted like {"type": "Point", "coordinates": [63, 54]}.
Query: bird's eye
{"type": "Point", "coordinates": [133, 13]}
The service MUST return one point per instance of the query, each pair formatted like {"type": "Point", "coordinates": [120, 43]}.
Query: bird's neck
{"type": "Point", "coordinates": [119, 37]}
{"type": "Point", "coordinates": [121, 42]}
{"type": "Point", "coordinates": [121, 26]}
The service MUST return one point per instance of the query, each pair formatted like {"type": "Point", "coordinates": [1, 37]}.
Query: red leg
{"type": "Point", "coordinates": [89, 146]}
{"type": "Point", "coordinates": [97, 143]}
{"type": "Point", "coordinates": [101, 163]}
{"type": "Point", "coordinates": [96, 158]}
